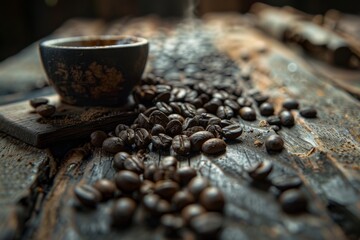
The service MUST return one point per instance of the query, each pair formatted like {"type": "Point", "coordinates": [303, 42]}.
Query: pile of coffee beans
{"type": "Point", "coordinates": [177, 199]}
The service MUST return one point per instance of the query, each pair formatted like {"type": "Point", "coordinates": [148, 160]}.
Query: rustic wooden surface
{"type": "Point", "coordinates": [324, 152]}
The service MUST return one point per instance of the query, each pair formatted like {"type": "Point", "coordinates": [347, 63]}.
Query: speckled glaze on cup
{"type": "Point", "coordinates": [94, 70]}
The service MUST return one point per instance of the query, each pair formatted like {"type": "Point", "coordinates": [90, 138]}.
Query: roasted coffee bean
{"type": "Point", "coordinates": [260, 98]}
{"type": "Point", "coordinates": [266, 109]}
{"type": "Point", "coordinates": [119, 159]}
{"type": "Point", "coordinates": [216, 130]}
{"type": "Point", "coordinates": [166, 188]}
{"type": "Point", "coordinates": [224, 112]}
{"type": "Point", "coordinates": [147, 187]}
{"type": "Point", "coordinates": [176, 106]}
{"type": "Point", "coordinates": [284, 183]}
{"type": "Point", "coordinates": [97, 138]}
{"type": "Point", "coordinates": [157, 129]}
{"type": "Point", "coordinates": [213, 105]}
{"type": "Point", "coordinates": [226, 122]}
{"type": "Point", "coordinates": [293, 201]}
{"type": "Point", "coordinates": [274, 143]}
{"type": "Point", "coordinates": [165, 174]}
{"type": "Point", "coordinates": [149, 111]}
{"type": "Point", "coordinates": [222, 95]}
{"type": "Point", "coordinates": [204, 98]}
{"type": "Point", "coordinates": [150, 202]}
{"type": "Point", "coordinates": [214, 146]}
{"type": "Point", "coordinates": [161, 88]}
{"type": "Point", "coordinates": [308, 112]}
{"type": "Point", "coordinates": [290, 104]}
{"type": "Point", "coordinates": [45, 110]}
{"type": "Point", "coordinates": [287, 119]}
{"type": "Point", "coordinates": [197, 103]}
{"type": "Point", "coordinates": [143, 121]}
{"type": "Point", "coordinates": [106, 187]}
{"type": "Point", "coordinates": [173, 128]}
{"type": "Point", "coordinates": [120, 127]}
{"type": "Point", "coordinates": [169, 162]}
{"type": "Point", "coordinates": [191, 95]}
{"type": "Point", "coordinates": [149, 172]}
{"type": "Point", "coordinates": [181, 144]}
{"type": "Point", "coordinates": [35, 102]}
{"type": "Point", "coordinates": [188, 110]}
{"type": "Point", "coordinates": [87, 195]}
{"type": "Point", "coordinates": [163, 97]}
{"type": "Point", "coordinates": [176, 116]}
{"type": "Point", "coordinates": [182, 199]}
{"type": "Point", "coordinates": [274, 120]}
{"type": "Point", "coordinates": [134, 126]}
{"type": "Point", "coordinates": [163, 207]}
{"type": "Point", "coordinates": [195, 129]}
{"type": "Point", "coordinates": [191, 211]}
{"type": "Point", "coordinates": [113, 145]}
{"type": "Point", "coordinates": [232, 104]}
{"type": "Point", "coordinates": [128, 136]}
{"type": "Point", "coordinates": [197, 185]}
{"type": "Point", "coordinates": [178, 94]}
{"type": "Point", "coordinates": [185, 174]}
{"type": "Point", "coordinates": [207, 225]}
{"type": "Point", "coordinates": [212, 199]}
{"type": "Point", "coordinates": [198, 139]}
{"type": "Point", "coordinates": [164, 107]}
{"type": "Point", "coordinates": [134, 164]}
{"type": "Point", "coordinates": [162, 141]}
{"type": "Point", "coordinates": [232, 132]}
{"type": "Point", "coordinates": [190, 122]}
{"type": "Point", "coordinates": [275, 128]}
{"type": "Point", "coordinates": [123, 212]}
{"type": "Point", "coordinates": [142, 138]}
{"type": "Point", "coordinates": [127, 181]}
{"type": "Point", "coordinates": [247, 114]}
{"type": "Point", "coordinates": [214, 121]}
{"type": "Point", "coordinates": [158, 117]}
{"type": "Point", "coordinates": [172, 225]}
{"type": "Point", "coordinates": [261, 170]}
{"type": "Point", "coordinates": [244, 102]}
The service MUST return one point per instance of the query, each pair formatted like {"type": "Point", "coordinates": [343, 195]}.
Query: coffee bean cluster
{"type": "Point", "coordinates": [175, 198]}
{"type": "Point", "coordinates": [42, 107]}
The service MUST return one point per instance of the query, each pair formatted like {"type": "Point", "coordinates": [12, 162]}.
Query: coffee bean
{"type": "Point", "coordinates": [163, 97]}
{"type": "Point", "coordinates": [165, 174]}
{"type": "Point", "coordinates": [212, 199]}
{"type": "Point", "coordinates": [188, 110]}
{"type": "Point", "coordinates": [197, 139]}
{"type": "Point", "coordinates": [190, 122]}
{"type": "Point", "coordinates": [284, 183]}
{"type": "Point", "coordinates": [266, 109]}
{"type": "Point", "coordinates": [185, 174]}
{"type": "Point", "coordinates": [157, 129]}
{"type": "Point", "coordinates": [207, 225]}
{"type": "Point", "coordinates": [247, 114]}
{"type": "Point", "coordinates": [163, 207]}
{"type": "Point", "coordinates": [214, 146]}
{"type": "Point", "coordinates": [197, 185]}
{"type": "Point", "coordinates": [178, 94]}
{"type": "Point", "coordinates": [176, 106]}
{"type": "Point", "coordinates": [260, 98]}
{"type": "Point", "coordinates": [149, 111]}
{"type": "Point", "coordinates": [87, 195]}
{"type": "Point", "coordinates": [244, 102]}
{"type": "Point", "coordinates": [214, 121]}
{"type": "Point", "coordinates": [46, 110]}
{"type": "Point", "coordinates": [182, 199]}
{"type": "Point", "coordinates": [134, 164]}
{"type": "Point", "coordinates": [119, 159]}
{"type": "Point", "coordinates": [176, 116]}
{"type": "Point", "coordinates": [164, 107]}
{"type": "Point", "coordinates": [35, 102]}
{"type": "Point", "coordinates": [162, 141]}
{"type": "Point", "coordinates": [274, 120]}
{"type": "Point", "coordinates": [106, 187]}
{"type": "Point", "coordinates": [158, 117]}
{"type": "Point", "coordinates": [213, 105]}
{"type": "Point", "coordinates": [226, 122]}
{"type": "Point", "coordinates": [161, 88]}
{"type": "Point", "coordinates": [197, 103]}
{"type": "Point", "coordinates": [128, 136]}
{"type": "Point", "coordinates": [147, 187]}
{"type": "Point", "coordinates": [195, 129]}
{"type": "Point", "coordinates": [127, 181]}
{"type": "Point", "coordinates": [172, 225]}
{"type": "Point", "coordinates": [142, 138]}
{"type": "Point", "coordinates": [232, 104]}
{"type": "Point", "coordinates": [149, 172]}
{"type": "Point", "coordinates": [181, 144]}
{"type": "Point", "coordinates": [216, 130]}
{"type": "Point", "coordinates": [261, 171]}
{"type": "Point", "coordinates": [287, 119]}
{"type": "Point", "coordinates": [232, 132]}
{"type": "Point", "coordinates": [308, 112]}
{"type": "Point", "coordinates": [119, 128]}
{"type": "Point", "coordinates": [275, 128]}
{"type": "Point", "coordinates": [166, 188]}
{"type": "Point", "coordinates": [290, 104]}
{"type": "Point", "coordinates": [191, 211]}
{"type": "Point", "coordinates": [123, 212]}
{"type": "Point", "coordinates": [204, 98]}
{"type": "Point", "coordinates": [293, 201]}
{"type": "Point", "coordinates": [173, 128]}
{"type": "Point", "coordinates": [113, 145]}
{"type": "Point", "coordinates": [169, 162]}
{"type": "Point", "coordinates": [97, 138]}
{"type": "Point", "coordinates": [224, 112]}
{"type": "Point", "coordinates": [150, 202]}
{"type": "Point", "coordinates": [274, 143]}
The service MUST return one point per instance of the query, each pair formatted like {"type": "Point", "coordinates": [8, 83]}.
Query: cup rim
{"type": "Point", "coordinates": [54, 43]}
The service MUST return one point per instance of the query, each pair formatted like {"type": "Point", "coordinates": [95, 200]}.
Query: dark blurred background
{"type": "Point", "coordinates": [25, 21]}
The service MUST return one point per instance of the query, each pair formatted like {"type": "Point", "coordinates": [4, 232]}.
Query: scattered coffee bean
{"type": "Point", "coordinates": [224, 112]}
{"type": "Point", "coordinates": [176, 116]}
{"type": "Point", "coordinates": [35, 102]}
{"type": "Point", "coordinates": [232, 104]}
{"type": "Point", "coordinates": [260, 98]}
{"type": "Point", "coordinates": [162, 141]}
{"type": "Point", "coordinates": [261, 171]}
{"type": "Point", "coordinates": [287, 119]}
{"type": "Point", "coordinates": [147, 187]}
{"type": "Point", "coordinates": [149, 172]}
{"type": "Point", "coordinates": [134, 164]}
{"type": "Point", "coordinates": [173, 128]}
{"type": "Point", "coordinates": [308, 112]}
{"type": "Point", "coordinates": [169, 162]}
{"type": "Point", "coordinates": [214, 146]}
{"type": "Point", "coordinates": [182, 199]}
{"type": "Point", "coordinates": [119, 159]}
{"type": "Point", "coordinates": [185, 174]}
{"type": "Point", "coordinates": [172, 225]}
{"type": "Point", "coordinates": [181, 144]}
{"type": "Point", "coordinates": [45, 110]}
{"type": "Point", "coordinates": [212, 199]}
{"type": "Point", "coordinates": [188, 110]}
{"type": "Point", "coordinates": [290, 104]}
{"type": "Point", "coordinates": [158, 117]}
{"type": "Point", "coordinates": [244, 102]}
{"type": "Point", "coordinates": [123, 212]}
{"type": "Point", "coordinates": [119, 128]}
{"type": "Point", "coordinates": [232, 132]}
{"type": "Point", "coordinates": [142, 138]}
{"type": "Point", "coordinates": [197, 139]}
{"type": "Point", "coordinates": [87, 195]}
{"type": "Point", "coordinates": [143, 121]}
{"type": "Point", "coordinates": [216, 130]}
{"type": "Point", "coordinates": [197, 185]}
{"type": "Point", "coordinates": [128, 136]}
{"type": "Point", "coordinates": [293, 201]}
{"type": "Point", "coordinates": [266, 109]}
{"type": "Point", "coordinates": [113, 145]}
{"type": "Point", "coordinates": [247, 114]}
{"type": "Point", "coordinates": [226, 122]}
{"type": "Point", "coordinates": [214, 121]}
{"type": "Point", "coordinates": [166, 188]}
{"type": "Point", "coordinates": [207, 225]}
{"type": "Point", "coordinates": [213, 105]}
{"type": "Point", "coordinates": [191, 211]}
{"type": "Point", "coordinates": [106, 187]}
{"type": "Point", "coordinates": [284, 183]}
{"type": "Point", "coordinates": [164, 107]}
{"type": "Point", "coordinates": [274, 120]}
{"type": "Point", "coordinates": [157, 129]}
{"type": "Point", "coordinates": [127, 181]}
{"type": "Point", "coordinates": [274, 143]}
{"type": "Point", "coordinates": [97, 138]}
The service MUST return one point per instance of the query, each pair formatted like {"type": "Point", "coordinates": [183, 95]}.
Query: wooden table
{"type": "Point", "coordinates": [36, 185]}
